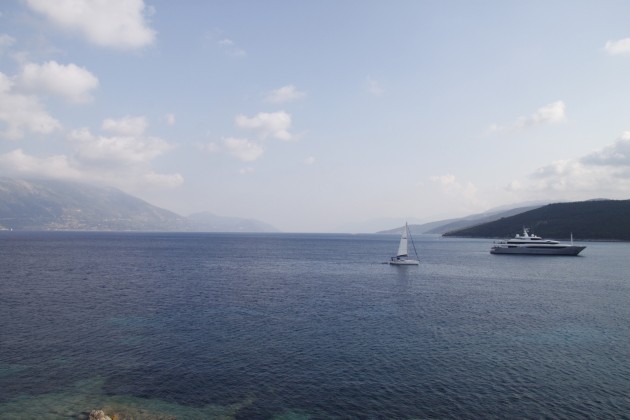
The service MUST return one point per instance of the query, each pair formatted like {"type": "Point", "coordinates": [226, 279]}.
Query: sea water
{"type": "Point", "coordinates": [288, 326]}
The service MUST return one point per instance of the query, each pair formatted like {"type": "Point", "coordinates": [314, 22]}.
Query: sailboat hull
{"type": "Point", "coordinates": [404, 262]}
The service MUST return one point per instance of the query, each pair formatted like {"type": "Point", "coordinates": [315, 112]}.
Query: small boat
{"type": "Point", "coordinates": [402, 256]}
{"type": "Point", "coordinates": [530, 244]}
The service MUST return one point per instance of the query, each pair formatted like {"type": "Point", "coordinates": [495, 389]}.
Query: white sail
{"type": "Point", "coordinates": [401, 257]}
{"type": "Point", "coordinates": [402, 247]}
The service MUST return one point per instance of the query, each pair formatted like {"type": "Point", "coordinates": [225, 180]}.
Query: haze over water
{"type": "Point", "coordinates": [308, 326]}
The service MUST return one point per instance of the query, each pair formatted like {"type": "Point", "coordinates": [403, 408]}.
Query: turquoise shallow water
{"type": "Point", "coordinates": [308, 326]}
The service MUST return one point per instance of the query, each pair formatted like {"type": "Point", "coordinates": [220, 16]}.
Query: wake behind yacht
{"type": "Point", "coordinates": [530, 244]}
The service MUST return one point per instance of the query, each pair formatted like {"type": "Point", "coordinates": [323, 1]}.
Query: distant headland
{"type": "Point", "coordinates": [606, 220]}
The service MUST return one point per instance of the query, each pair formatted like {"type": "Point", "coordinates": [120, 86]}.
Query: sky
{"type": "Point", "coordinates": [320, 116]}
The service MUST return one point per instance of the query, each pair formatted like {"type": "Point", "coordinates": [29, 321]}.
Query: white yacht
{"type": "Point", "coordinates": [530, 244]}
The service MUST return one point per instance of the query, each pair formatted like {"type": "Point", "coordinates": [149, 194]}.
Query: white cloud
{"type": "Point", "coordinates": [450, 186]}
{"type": "Point", "coordinates": [373, 87]}
{"type": "Point", "coordinates": [557, 169]}
{"type": "Point", "coordinates": [111, 23]}
{"type": "Point", "coordinates": [309, 160]}
{"type": "Point", "coordinates": [621, 46]}
{"type": "Point", "coordinates": [163, 180]}
{"type": "Point", "coordinates": [230, 47]}
{"type": "Point", "coordinates": [170, 119]}
{"type": "Point", "coordinates": [448, 179]}
{"type": "Point", "coordinates": [210, 147]}
{"type": "Point", "coordinates": [284, 94]}
{"type": "Point", "coordinates": [602, 173]}
{"type": "Point", "coordinates": [126, 126]}
{"type": "Point", "coordinates": [549, 114]}
{"type": "Point", "coordinates": [124, 159]}
{"type": "Point", "coordinates": [117, 150]}
{"type": "Point", "coordinates": [275, 124]}
{"type": "Point", "coordinates": [19, 164]}
{"type": "Point", "coordinates": [6, 41]}
{"type": "Point", "coordinates": [263, 125]}
{"type": "Point", "coordinates": [69, 81]}
{"type": "Point", "coordinates": [614, 155]}
{"type": "Point", "coordinates": [243, 149]}
{"type": "Point", "coordinates": [460, 196]}
{"type": "Point", "coordinates": [552, 113]}
{"type": "Point", "coordinates": [246, 171]}
{"type": "Point", "coordinates": [21, 113]}
{"type": "Point", "coordinates": [565, 179]}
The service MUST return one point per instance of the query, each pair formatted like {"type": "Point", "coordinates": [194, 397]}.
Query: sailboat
{"type": "Point", "coordinates": [402, 256]}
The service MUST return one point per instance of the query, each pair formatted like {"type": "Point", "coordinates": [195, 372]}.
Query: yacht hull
{"type": "Point", "coordinates": [566, 251]}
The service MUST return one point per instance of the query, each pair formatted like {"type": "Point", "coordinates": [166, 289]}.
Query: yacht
{"type": "Point", "coordinates": [530, 244]}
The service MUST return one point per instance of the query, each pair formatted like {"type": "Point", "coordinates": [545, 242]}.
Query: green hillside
{"type": "Point", "coordinates": [587, 220]}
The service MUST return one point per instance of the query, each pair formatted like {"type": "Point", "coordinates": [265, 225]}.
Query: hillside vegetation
{"type": "Point", "coordinates": [587, 220]}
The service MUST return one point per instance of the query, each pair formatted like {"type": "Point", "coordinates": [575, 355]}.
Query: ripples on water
{"type": "Point", "coordinates": [308, 326]}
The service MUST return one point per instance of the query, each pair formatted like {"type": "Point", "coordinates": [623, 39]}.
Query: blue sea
{"type": "Point", "coordinates": [306, 326]}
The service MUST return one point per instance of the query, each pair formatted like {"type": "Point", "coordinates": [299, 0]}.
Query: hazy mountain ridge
{"type": "Point", "coordinates": [479, 218]}
{"type": "Point", "coordinates": [378, 225]}
{"type": "Point", "coordinates": [588, 220]}
{"type": "Point", "coordinates": [209, 222]}
{"type": "Point", "coordinates": [446, 225]}
{"type": "Point", "coordinates": [63, 205]}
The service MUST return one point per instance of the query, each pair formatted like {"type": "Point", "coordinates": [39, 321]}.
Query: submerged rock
{"type": "Point", "coordinates": [98, 415]}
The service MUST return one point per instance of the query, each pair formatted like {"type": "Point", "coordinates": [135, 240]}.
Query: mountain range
{"type": "Point", "coordinates": [209, 222]}
{"type": "Point", "coordinates": [446, 225]}
{"type": "Point", "coordinates": [63, 205]}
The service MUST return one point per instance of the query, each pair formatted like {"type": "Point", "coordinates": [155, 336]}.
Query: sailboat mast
{"type": "Point", "coordinates": [412, 243]}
